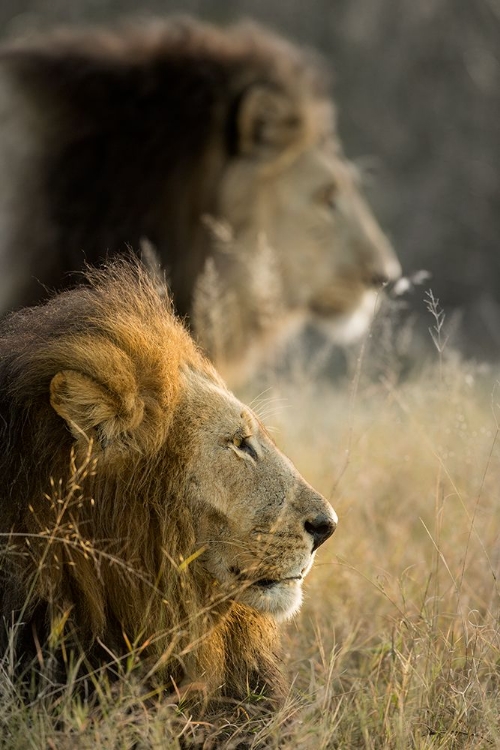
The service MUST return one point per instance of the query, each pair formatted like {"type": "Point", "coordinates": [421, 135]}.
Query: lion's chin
{"type": "Point", "coordinates": [280, 599]}
{"type": "Point", "coordinates": [349, 326]}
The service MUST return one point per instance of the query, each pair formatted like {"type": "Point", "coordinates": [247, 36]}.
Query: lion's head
{"type": "Point", "coordinates": [142, 503]}
{"type": "Point", "coordinates": [301, 245]}
{"type": "Point", "coordinates": [167, 132]}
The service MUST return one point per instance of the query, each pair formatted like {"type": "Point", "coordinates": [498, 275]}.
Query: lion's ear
{"type": "Point", "coordinates": [88, 406]}
{"type": "Point", "coordinates": [267, 122]}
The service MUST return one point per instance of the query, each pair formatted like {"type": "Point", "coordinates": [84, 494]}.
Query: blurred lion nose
{"type": "Point", "coordinates": [380, 272]}
{"type": "Point", "coordinates": [379, 279]}
{"type": "Point", "coordinates": [320, 528]}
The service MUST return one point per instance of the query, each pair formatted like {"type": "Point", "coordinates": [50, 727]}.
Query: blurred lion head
{"type": "Point", "coordinates": [217, 147]}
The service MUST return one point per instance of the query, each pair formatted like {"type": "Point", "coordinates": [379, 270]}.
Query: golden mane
{"type": "Point", "coordinates": [99, 538]}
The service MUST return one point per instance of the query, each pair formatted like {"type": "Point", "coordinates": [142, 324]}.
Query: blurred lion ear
{"type": "Point", "coordinates": [267, 122]}
{"type": "Point", "coordinates": [90, 408]}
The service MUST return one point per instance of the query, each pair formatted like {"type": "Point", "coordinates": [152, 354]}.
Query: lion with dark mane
{"type": "Point", "coordinates": [143, 506]}
{"type": "Point", "coordinates": [215, 147]}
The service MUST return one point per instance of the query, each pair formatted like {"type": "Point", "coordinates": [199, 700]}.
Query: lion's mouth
{"type": "Point", "coordinates": [263, 583]}
{"type": "Point", "coordinates": [269, 583]}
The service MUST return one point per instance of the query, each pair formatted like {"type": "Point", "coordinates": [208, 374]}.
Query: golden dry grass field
{"type": "Point", "coordinates": [398, 642]}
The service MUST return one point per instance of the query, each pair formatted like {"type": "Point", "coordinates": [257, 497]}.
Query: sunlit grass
{"type": "Point", "coordinates": [398, 643]}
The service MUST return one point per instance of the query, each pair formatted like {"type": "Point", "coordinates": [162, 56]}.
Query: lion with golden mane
{"type": "Point", "coordinates": [143, 506]}
{"type": "Point", "coordinates": [215, 147]}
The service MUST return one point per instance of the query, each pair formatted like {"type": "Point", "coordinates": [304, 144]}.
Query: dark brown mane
{"type": "Point", "coordinates": [135, 128]}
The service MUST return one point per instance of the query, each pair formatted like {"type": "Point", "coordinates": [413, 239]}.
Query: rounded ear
{"type": "Point", "coordinates": [267, 122]}
{"type": "Point", "coordinates": [90, 408]}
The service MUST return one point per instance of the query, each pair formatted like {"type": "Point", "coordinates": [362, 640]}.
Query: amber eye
{"type": "Point", "coordinates": [243, 445]}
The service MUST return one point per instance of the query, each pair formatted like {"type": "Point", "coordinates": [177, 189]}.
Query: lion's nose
{"type": "Point", "coordinates": [381, 276]}
{"type": "Point", "coordinates": [378, 279]}
{"type": "Point", "coordinates": [320, 528]}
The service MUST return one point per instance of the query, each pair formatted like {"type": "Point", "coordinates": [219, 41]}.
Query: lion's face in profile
{"type": "Point", "coordinates": [146, 503]}
{"type": "Point", "coordinates": [333, 255]}
{"type": "Point", "coordinates": [330, 252]}
{"type": "Point", "coordinates": [258, 522]}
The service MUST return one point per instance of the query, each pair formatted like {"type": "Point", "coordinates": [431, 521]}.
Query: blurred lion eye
{"type": "Point", "coordinates": [329, 195]}
{"type": "Point", "coordinates": [243, 444]}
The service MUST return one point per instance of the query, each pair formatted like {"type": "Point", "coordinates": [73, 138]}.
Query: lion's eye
{"type": "Point", "coordinates": [328, 196]}
{"type": "Point", "coordinates": [243, 444]}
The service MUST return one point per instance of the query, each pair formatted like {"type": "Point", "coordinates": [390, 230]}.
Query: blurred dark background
{"type": "Point", "coordinates": [417, 84]}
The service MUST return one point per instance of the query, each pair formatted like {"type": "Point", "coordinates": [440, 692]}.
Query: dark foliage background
{"type": "Point", "coordinates": [418, 91]}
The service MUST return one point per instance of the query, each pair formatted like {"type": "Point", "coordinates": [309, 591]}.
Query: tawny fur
{"type": "Point", "coordinates": [116, 454]}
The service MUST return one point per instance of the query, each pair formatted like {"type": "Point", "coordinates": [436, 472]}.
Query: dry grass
{"type": "Point", "coordinates": [398, 642]}
{"type": "Point", "coordinates": [397, 645]}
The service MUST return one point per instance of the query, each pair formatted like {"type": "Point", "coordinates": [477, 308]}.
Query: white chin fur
{"type": "Point", "coordinates": [282, 601]}
{"type": "Point", "coordinates": [350, 327]}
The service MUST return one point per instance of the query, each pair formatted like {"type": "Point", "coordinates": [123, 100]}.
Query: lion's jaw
{"type": "Point", "coordinates": [258, 522]}
{"type": "Point", "coordinates": [352, 325]}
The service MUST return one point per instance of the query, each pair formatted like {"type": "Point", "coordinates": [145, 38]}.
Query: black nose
{"type": "Point", "coordinates": [378, 280]}
{"type": "Point", "coordinates": [320, 528]}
